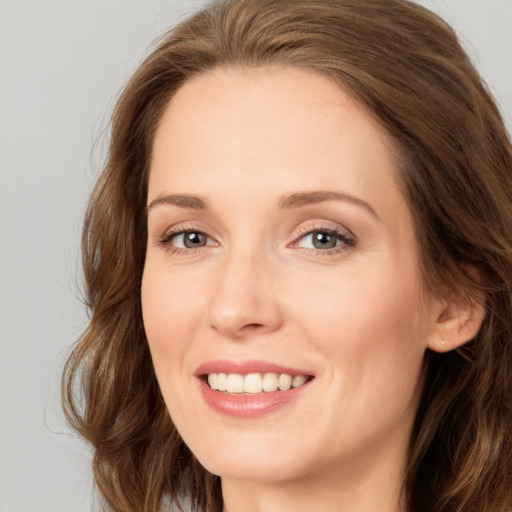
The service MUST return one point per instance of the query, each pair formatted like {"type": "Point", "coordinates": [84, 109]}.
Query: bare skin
{"type": "Point", "coordinates": [277, 232]}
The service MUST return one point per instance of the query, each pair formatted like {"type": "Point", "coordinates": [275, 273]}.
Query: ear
{"type": "Point", "coordinates": [459, 318]}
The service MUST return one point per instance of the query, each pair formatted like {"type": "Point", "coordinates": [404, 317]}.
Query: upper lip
{"type": "Point", "coordinates": [246, 367]}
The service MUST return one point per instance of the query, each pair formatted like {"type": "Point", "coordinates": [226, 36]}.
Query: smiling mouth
{"type": "Point", "coordinates": [254, 383]}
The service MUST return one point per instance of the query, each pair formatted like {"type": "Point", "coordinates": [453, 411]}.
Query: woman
{"type": "Point", "coordinates": [298, 266]}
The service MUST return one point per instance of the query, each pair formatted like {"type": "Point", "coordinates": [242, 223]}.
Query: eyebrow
{"type": "Point", "coordinates": [306, 198]}
{"type": "Point", "coordinates": [287, 202]}
{"type": "Point", "coordinates": [180, 200]}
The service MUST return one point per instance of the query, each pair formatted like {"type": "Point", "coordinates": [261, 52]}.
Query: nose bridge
{"type": "Point", "coordinates": [244, 298]}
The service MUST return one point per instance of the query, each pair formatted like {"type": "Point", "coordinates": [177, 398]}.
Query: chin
{"type": "Point", "coordinates": [252, 458]}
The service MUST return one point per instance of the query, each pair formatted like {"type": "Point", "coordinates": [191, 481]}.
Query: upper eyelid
{"type": "Point", "coordinates": [171, 235]}
{"type": "Point", "coordinates": [347, 240]}
{"type": "Point", "coordinates": [296, 234]}
{"type": "Point", "coordinates": [325, 225]}
{"type": "Point", "coordinates": [165, 242]}
{"type": "Point", "coordinates": [183, 227]}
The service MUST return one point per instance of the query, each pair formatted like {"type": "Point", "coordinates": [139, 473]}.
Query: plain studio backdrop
{"type": "Point", "coordinates": [62, 64]}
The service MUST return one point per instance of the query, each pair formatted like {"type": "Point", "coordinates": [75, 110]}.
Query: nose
{"type": "Point", "coordinates": [244, 300]}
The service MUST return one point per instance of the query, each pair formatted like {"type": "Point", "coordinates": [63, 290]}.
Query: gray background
{"type": "Point", "coordinates": [62, 64]}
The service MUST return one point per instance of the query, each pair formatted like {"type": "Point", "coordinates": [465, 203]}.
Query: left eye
{"type": "Point", "coordinates": [323, 239]}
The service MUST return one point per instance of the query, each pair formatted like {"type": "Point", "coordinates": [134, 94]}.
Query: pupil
{"type": "Point", "coordinates": [323, 240]}
{"type": "Point", "coordinates": [193, 240]}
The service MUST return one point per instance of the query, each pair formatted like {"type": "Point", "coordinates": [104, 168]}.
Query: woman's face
{"type": "Point", "coordinates": [282, 252]}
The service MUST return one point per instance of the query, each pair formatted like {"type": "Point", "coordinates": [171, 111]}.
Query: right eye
{"type": "Point", "coordinates": [187, 239]}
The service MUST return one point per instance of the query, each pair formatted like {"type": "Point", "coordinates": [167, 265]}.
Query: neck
{"type": "Point", "coordinates": [370, 484]}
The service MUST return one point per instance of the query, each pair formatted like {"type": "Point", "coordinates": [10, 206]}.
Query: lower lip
{"type": "Point", "coordinates": [245, 406]}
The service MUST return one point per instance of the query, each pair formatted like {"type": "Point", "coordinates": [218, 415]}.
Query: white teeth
{"type": "Point", "coordinates": [222, 382]}
{"type": "Point", "coordinates": [298, 380]}
{"type": "Point", "coordinates": [235, 383]}
{"type": "Point", "coordinates": [212, 380]}
{"type": "Point", "coordinates": [254, 383]}
{"type": "Point", "coordinates": [285, 382]}
{"type": "Point", "coordinates": [270, 382]}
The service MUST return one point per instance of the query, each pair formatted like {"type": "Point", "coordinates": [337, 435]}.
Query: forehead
{"type": "Point", "coordinates": [241, 131]}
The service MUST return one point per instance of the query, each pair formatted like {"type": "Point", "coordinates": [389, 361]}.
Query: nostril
{"type": "Point", "coordinates": [252, 327]}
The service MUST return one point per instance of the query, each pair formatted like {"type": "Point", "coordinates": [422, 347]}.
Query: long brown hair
{"type": "Point", "coordinates": [406, 66]}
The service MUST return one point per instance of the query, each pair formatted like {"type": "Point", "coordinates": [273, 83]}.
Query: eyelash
{"type": "Point", "coordinates": [347, 241]}
{"type": "Point", "coordinates": [166, 239]}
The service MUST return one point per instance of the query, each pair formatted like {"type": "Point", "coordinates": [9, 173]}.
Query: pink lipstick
{"type": "Point", "coordinates": [250, 388]}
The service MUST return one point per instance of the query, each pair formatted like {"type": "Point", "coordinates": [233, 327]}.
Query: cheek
{"type": "Point", "coordinates": [381, 302]}
{"type": "Point", "coordinates": [371, 327]}
{"type": "Point", "coordinates": [170, 308]}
